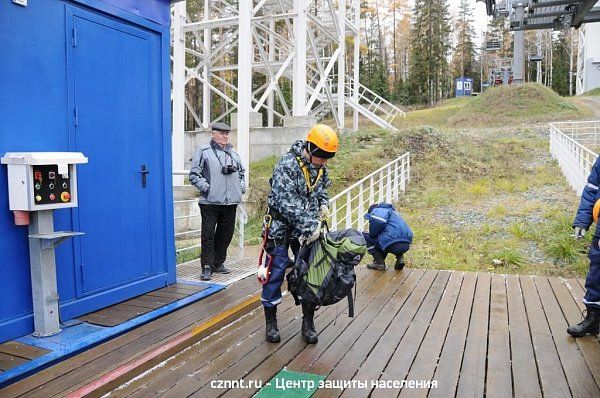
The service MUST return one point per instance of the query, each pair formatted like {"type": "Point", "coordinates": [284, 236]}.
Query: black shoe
{"type": "Point", "coordinates": [221, 270]}
{"type": "Point", "coordinates": [206, 273]}
{"type": "Point", "coordinates": [400, 262]}
{"type": "Point", "coordinates": [271, 322]}
{"type": "Point", "coordinates": [377, 265]}
{"type": "Point", "coordinates": [590, 324]}
{"type": "Point", "coordinates": [309, 334]}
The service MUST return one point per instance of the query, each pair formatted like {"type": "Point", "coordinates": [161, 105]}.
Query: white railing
{"type": "Point", "coordinates": [382, 185]}
{"type": "Point", "coordinates": [187, 242]}
{"type": "Point", "coordinates": [574, 145]}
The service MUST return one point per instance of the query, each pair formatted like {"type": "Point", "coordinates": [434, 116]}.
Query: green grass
{"type": "Point", "coordinates": [594, 92]}
{"type": "Point", "coordinates": [486, 199]}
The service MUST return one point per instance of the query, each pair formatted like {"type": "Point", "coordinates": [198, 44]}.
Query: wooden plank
{"type": "Point", "coordinates": [144, 304]}
{"type": "Point", "coordinates": [163, 294]}
{"type": "Point", "coordinates": [376, 300]}
{"type": "Point", "coordinates": [552, 377]}
{"type": "Point", "coordinates": [183, 288]}
{"type": "Point", "coordinates": [413, 290]}
{"type": "Point", "coordinates": [305, 360]}
{"type": "Point", "coordinates": [192, 361]}
{"type": "Point", "coordinates": [472, 373]}
{"type": "Point", "coordinates": [177, 368]}
{"type": "Point", "coordinates": [524, 370]}
{"type": "Point", "coordinates": [271, 357]}
{"type": "Point", "coordinates": [447, 371]}
{"type": "Point", "coordinates": [411, 334]}
{"type": "Point", "coordinates": [577, 292]}
{"type": "Point", "coordinates": [22, 350]}
{"type": "Point", "coordinates": [498, 380]}
{"type": "Point", "coordinates": [190, 376]}
{"type": "Point", "coordinates": [581, 382]}
{"type": "Point", "coordinates": [589, 346]}
{"type": "Point", "coordinates": [155, 300]}
{"type": "Point", "coordinates": [10, 361]}
{"type": "Point", "coordinates": [98, 360]}
{"type": "Point", "coordinates": [114, 315]}
{"type": "Point", "coordinates": [424, 365]}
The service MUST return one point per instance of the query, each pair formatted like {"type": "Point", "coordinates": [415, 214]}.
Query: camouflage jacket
{"type": "Point", "coordinates": [297, 210]}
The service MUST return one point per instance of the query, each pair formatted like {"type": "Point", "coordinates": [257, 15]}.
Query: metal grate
{"type": "Point", "coordinates": [240, 268]}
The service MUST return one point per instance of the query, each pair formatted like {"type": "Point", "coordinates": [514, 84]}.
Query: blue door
{"type": "Point", "coordinates": [111, 79]}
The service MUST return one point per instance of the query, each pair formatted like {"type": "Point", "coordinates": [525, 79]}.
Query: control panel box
{"type": "Point", "coordinates": [42, 180]}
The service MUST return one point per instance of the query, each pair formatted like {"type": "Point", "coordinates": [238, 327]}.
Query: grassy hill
{"type": "Point", "coordinates": [594, 92]}
{"type": "Point", "coordinates": [499, 106]}
{"type": "Point", "coordinates": [480, 197]}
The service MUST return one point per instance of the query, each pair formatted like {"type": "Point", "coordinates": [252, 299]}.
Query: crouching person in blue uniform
{"type": "Point", "coordinates": [583, 220]}
{"type": "Point", "coordinates": [297, 201]}
{"type": "Point", "coordinates": [388, 233]}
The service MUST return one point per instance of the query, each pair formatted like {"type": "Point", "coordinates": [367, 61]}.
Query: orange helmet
{"type": "Point", "coordinates": [322, 141]}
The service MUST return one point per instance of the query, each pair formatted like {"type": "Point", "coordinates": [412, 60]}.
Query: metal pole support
{"type": "Point", "coordinates": [43, 275]}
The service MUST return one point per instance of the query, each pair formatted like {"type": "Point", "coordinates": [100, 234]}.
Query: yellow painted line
{"type": "Point", "coordinates": [226, 314]}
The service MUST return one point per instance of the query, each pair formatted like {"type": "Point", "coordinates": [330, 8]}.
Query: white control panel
{"type": "Point", "coordinates": [42, 180]}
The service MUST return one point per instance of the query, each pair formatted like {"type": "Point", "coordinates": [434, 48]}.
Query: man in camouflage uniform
{"type": "Point", "coordinates": [297, 202]}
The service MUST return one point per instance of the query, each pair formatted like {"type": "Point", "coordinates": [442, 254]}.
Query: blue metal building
{"type": "Point", "coordinates": [90, 76]}
{"type": "Point", "coordinates": [463, 86]}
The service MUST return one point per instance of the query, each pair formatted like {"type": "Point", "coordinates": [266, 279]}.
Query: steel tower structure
{"type": "Point", "coordinates": [269, 46]}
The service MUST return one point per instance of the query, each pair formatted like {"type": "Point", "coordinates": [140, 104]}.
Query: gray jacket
{"type": "Point", "coordinates": [206, 174]}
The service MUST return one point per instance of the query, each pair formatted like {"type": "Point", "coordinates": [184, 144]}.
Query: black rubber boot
{"type": "Point", "coordinates": [400, 262]}
{"type": "Point", "coordinates": [378, 262]}
{"type": "Point", "coordinates": [589, 325]}
{"type": "Point", "coordinates": [309, 334]}
{"type": "Point", "coordinates": [271, 321]}
{"type": "Point", "coordinates": [222, 270]}
{"type": "Point", "coordinates": [206, 273]}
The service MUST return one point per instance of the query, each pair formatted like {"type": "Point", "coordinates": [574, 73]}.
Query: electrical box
{"type": "Point", "coordinates": [42, 180]}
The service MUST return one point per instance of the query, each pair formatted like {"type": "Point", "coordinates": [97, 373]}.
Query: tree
{"type": "Point", "coordinates": [430, 78]}
{"type": "Point", "coordinates": [560, 64]}
{"type": "Point", "coordinates": [464, 54]}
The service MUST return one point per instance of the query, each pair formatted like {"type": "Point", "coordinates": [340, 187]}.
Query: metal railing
{"type": "Point", "coordinates": [187, 240]}
{"type": "Point", "coordinates": [574, 145]}
{"type": "Point", "coordinates": [382, 185]}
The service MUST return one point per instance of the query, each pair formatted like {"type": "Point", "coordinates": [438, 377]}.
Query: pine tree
{"type": "Point", "coordinates": [430, 78]}
{"type": "Point", "coordinates": [560, 64]}
{"type": "Point", "coordinates": [464, 54]}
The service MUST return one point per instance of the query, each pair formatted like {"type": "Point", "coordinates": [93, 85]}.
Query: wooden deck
{"type": "Point", "coordinates": [472, 334]}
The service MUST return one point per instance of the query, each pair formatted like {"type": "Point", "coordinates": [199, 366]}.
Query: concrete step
{"type": "Point", "coordinates": [182, 192]}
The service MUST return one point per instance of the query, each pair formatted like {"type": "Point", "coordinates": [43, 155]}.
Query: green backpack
{"type": "Point", "coordinates": [323, 273]}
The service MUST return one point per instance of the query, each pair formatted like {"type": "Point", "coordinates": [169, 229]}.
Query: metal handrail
{"type": "Point", "coordinates": [382, 185]}
{"type": "Point", "coordinates": [574, 158]}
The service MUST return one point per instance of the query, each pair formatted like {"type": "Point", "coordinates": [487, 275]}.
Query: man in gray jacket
{"type": "Point", "coordinates": [218, 173]}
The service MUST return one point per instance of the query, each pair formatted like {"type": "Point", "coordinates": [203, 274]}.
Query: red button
{"type": "Point", "coordinates": [65, 196]}
{"type": "Point", "coordinates": [52, 196]}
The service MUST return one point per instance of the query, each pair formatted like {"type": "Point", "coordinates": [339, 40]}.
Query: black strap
{"type": "Point", "coordinates": [350, 305]}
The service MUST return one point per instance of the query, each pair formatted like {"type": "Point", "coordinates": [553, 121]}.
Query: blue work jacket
{"type": "Point", "coordinates": [388, 226]}
{"type": "Point", "coordinates": [589, 196]}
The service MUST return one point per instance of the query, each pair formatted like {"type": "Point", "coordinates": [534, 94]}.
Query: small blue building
{"type": "Point", "coordinates": [463, 86]}
{"type": "Point", "coordinates": [90, 76]}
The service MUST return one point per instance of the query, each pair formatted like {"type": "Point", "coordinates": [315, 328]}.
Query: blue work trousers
{"type": "Point", "coordinates": [592, 280]}
{"type": "Point", "coordinates": [271, 291]}
{"type": "Point", "coordinates": [379, 253]}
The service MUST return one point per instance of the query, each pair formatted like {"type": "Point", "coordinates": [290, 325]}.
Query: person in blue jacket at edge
{"type": "Point", "coordinates": [388, 233]}
{"type": "Point", "coordinates": [583, 220]}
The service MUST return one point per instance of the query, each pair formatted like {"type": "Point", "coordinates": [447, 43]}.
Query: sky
{"type": "Point", "coordinates": [479, 15]}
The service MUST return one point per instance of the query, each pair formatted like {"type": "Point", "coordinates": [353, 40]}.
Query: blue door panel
{"type": "Point", "coordinates": [110, 72]}
{"type": "Point", "coordinates": [117, 76]}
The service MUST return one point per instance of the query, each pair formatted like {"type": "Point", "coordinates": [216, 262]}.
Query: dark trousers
{"type": "Point", "coordinates": [379, 254]}
{"type": "Point", "coordinates": [592, 280]}
{"type": "Point", "coordinates": [218, 223]}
